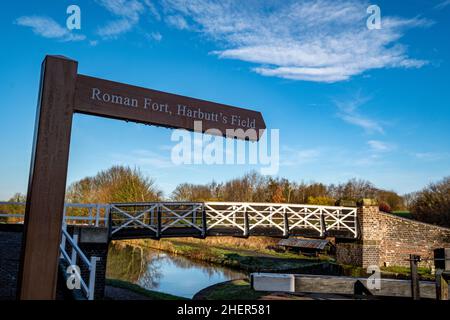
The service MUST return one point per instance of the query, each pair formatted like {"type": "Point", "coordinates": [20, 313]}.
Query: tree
{"type": "Point", "coordinates": [432, 204]}
{"type": "Point", "coordinates": [117, 184]}
{"type": "Point", "coordinates": [13, 208]}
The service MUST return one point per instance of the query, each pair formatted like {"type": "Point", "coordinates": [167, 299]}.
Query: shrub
{"type": "Point", "coordinates": [385, 207]}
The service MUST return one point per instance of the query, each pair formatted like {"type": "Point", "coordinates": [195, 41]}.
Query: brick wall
{"type": "Point", "coordinates": [402, 237]}
{"type": "Point", "coordinates": [10, 246]}
{"type": "Point", "coordinates": [388, 240]}
{"type": "Point", "coordinates": [10, 251]}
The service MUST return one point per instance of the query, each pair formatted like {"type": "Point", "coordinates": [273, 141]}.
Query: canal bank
{"type": "Point", "coordinates": [185, 267]}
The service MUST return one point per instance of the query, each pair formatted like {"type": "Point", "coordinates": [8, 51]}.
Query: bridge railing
{"type": "Point", "coordinates": [72, 254]}
{"type": "Point", "coordinates": [156, 216]}
{"type": "Point", "coordinates": [81, 214]}
{"type": "Point", "coordinates": [245, 218]}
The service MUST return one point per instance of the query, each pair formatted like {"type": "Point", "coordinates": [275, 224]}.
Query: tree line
{"type": "Point", "coordinates": [125, 184]}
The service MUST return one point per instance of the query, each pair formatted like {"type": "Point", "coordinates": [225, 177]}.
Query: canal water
{"type": "Point", "coordinates": [164, 272]}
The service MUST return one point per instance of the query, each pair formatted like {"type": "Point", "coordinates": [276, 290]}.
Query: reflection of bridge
{"type": "Point", "coordinates": [202, 219]}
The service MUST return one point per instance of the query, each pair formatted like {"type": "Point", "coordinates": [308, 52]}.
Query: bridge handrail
{"type": "Point", "coordinates": [92, 220]}
{"type": "Point", "coordinates": [296, 205]}
{"type": "Point", "coordinates": [91, 264]}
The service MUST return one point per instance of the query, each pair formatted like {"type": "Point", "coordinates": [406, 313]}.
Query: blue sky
{"type": "Point", "coordinates": [349, 101]}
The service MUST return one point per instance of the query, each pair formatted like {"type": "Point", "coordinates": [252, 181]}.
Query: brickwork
{"type": "Point", "coordinates": [10, 250]}
{"type": "Point", "coordinates": [388, 240]}
{"type": "Point", "coordinates": [10, 246]}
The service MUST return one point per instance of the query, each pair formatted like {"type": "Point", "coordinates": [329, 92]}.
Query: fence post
{"type": "Point", "coordinates": [323, 226]}
{"type": "Point", "coordinates": [415, 285]}
{"type": "Point", "coordinates": [246, 223]}
{"type": "Point", "coordinates": [73, 259]}
{"type": "Point", "coordinates": [158, 227]}
{"type": "Point", "coordinates": [204, 224]}
{"type": "Point", "coordinates": [441, 286]}
{"type": "Point", "coordinates": [92, 274]}
{"type": "Point", "coordinates": [286, 224]}
{"type": "Point", "coordinates": [63, 239]}
{"type": "Point", "coordinates": [97, 216]}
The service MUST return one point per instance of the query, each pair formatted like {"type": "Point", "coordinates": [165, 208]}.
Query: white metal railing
{"type": "Point", "coordinates": [76, 254]}
{"type": "Point", "coordinates": [156, 216]}
{"type": "Point", "coordinates": [81, 214]}
{"type": "Point", "coordinates": [242, 216]}
{"type": "Point", "coordinates": [246, 217]}
{"type": "Point", "coordinates": [285, 217]}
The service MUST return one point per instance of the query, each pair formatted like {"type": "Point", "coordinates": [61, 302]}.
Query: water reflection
{"type": "Point", "coordinates": [156, 270]}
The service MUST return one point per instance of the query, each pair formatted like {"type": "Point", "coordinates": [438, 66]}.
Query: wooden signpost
{"type": "Point", "coordinates": [64, 92]}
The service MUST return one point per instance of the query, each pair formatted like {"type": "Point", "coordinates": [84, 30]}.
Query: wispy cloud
{"type": "Point", "coordinates": [127, 13]}
{"type": "Point", "coordinates": [177, 21]}
{"type": "Point", "coordinates": [313, 40]}
{"type": "Point", "coordinates": [350, 113]}
{"type": "Point", "coordinates": [380, 146]}
{"type": "Point", "coordinates": [144, 158]}
{"type": "Point", "coordinates": [442, 5]}
{"type": "Point", "coordinates": [431, 156]}
{"type": "Point", "coordinates": [297, 157]}
{"type": "Point", "coordinates": [48, 28]}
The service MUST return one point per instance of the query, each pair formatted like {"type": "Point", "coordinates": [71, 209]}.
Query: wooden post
{"type": "Point", "coordinates": [47, 181]}
{"type": "Point", "coordinates": [415, 285]}
{"type": "Point", "coordinates": [441, 285]}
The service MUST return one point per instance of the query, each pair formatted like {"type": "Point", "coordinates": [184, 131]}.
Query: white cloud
{"type": "Point", "coordinates": [296, 157]}
{"type": "Point", "coordinates": [128, 13]}
{"type": "Point", "coordinates": [443, 4]}
{"type": "Point", "coordinates": [349, 112]}
{"type": "Point", "coordinates": [380, 146]}
{"type": "Point", "coordinates": [114, 28]}
{"type": "Point", "coordinates": [177, 21]}
{"type": "Point", "coordinates": [145, 159]}
{"type": "Point", "coordinates": [48, 28]}
{"type": "Point", "coordinates": [431, 156]}
{"type": "Point", "coordinates": [156, 36]}
{"type": "Point", "coordinates": [313, 40]}
{"type": "Point", "coordinates": [129, 9]}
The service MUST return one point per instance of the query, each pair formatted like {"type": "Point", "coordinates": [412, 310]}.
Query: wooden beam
{"type": "Point", "coordinates": [121, 101]}
{"type": "Point", "coordinates": [47, 181]}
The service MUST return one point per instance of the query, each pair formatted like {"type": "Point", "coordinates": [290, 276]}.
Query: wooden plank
{"type": "Point", "coordinates": [47, 182]}
{"type": "Point", "coordinates": [125, 102]}
{"type": "Point", "coordinates": [346, 285]}
{"type": "Point", "coordinates": [441, 286]}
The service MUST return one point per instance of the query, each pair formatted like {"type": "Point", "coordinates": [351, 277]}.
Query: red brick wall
{"type": "Point", "coordinates": [388, 240]}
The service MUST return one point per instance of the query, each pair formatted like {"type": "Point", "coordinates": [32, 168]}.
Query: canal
{"type": "Point", "coordinates": [164, 272]}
